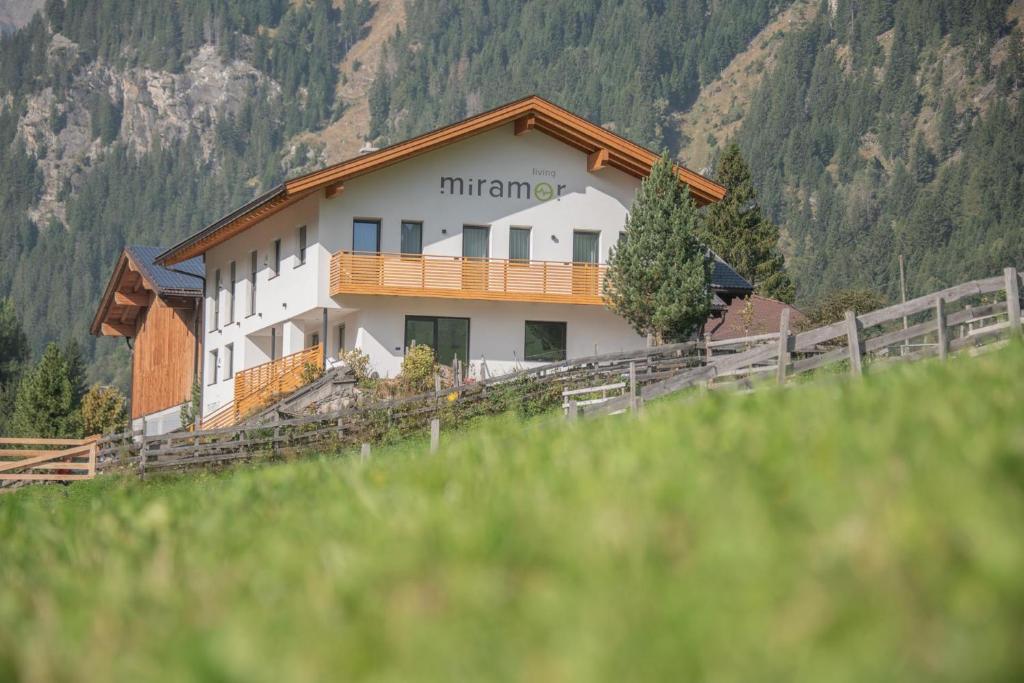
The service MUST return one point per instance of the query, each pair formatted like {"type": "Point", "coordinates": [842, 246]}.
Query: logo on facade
{"type": "Point", "coordinates": [541, 191]}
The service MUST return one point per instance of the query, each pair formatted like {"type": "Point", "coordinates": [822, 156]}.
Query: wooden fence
{"type": "Point", "coordinates": [47, 459]}
{"type": "Point", "coordinates": [960, 317]}
{"type": "Point", "coordinates": [968, 315]}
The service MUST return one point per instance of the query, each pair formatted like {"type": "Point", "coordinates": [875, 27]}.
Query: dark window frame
{"type": "Point", "coordinates": [254, 263]}
{"type": "Point", "coordinates": [216, 299]}
{"type": "Point", "coordinates": [232, 273]}
{"type": "Point", "coordinates": [374, 221]}
{"type": "Point", "coordinates": [434, 319]}
{"type": "Point", "coordinates": [401, 238]}
{"type": "Point", "coordinates": [302, 246]}
{"type": "Point", "coordinates": [276, 263]}
{"type": "Point", "coordinates": [526, 338]}
{"type": "Point", "coordinates": [529, 244]}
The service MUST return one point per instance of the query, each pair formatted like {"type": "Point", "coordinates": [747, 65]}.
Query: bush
{"type": "Point", "coordinates": [418, 370]}
{"type": "Point", "coordinates": [833, 307]}
{"type": "Point", "coordinates": [103, 410]}
{"type": "Point", "coordinates": [358, 362]}
{"type": "Point", "coordinates": [311, 372]}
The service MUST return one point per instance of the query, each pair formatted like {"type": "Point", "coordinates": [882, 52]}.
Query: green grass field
{"type": "Point", "coordinates": [836, 531]}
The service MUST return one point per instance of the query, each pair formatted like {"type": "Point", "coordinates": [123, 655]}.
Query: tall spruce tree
{"type": "Point", "coordinates": [45, 406]}
{"type": "Point", "coordinates": [659, 274]}
{"type": "Point", "coordinates": [737, 230]}
{"type": "Point", "coordinates": [14, 355]}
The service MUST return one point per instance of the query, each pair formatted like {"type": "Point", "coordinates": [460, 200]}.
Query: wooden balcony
{"type": "Point", "coordinates": [455, 277]}
{"type": "Point", "coordinates": [259, 386]}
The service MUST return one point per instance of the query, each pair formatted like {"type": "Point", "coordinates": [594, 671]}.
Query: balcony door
{"type": "Point", "coordinates": [365, 266]}
{"type": "Point", "coordinates": [585, 251]}
{"type": "Point", "coordinates": [475, 252]}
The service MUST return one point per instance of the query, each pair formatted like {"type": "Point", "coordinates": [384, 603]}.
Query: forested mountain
{"type": "Point", "coordinates": [872, 127]}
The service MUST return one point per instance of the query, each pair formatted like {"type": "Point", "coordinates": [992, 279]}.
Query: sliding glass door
{"type": "Point", "coordinates": [448, 337]}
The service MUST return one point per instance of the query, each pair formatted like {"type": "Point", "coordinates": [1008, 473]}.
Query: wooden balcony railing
{"type": "Point", "coordinates": [455, 277]}
{"type": "Point", "coordinates": [261, 385]}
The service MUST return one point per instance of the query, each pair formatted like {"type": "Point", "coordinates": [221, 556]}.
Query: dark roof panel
{"type": "Point", "coordinates": [185, 278]}
{"type": "Point", "coordinates": [724, 277]}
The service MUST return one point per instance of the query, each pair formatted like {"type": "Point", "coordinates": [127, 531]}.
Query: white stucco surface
{"type": "Point", "coordinates": [290, 304]}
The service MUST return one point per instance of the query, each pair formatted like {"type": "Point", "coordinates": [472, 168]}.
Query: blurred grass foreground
{"type": "Point", "coordinates": [835, 531]}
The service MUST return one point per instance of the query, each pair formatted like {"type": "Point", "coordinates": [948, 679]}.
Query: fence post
{"type": "Point", "coordinates": [573, 410]}
{"type": "Point", "coordinates": [435, 435]}
{"type": "Point", "coordinates": [1012, 299]}
{"type": "Point", "coordinates": [364, 452]}
{"type": "Point", "coordinates": [940, 323]}
{"type": "Point", "coordinates": [273, 446]}
{"type": "Point", "coordinates": [707, 347]}
{"type": "Point", "coordinates": [632, 386]}
{"type": "Point", "coordinates": [783, 345]}
{"type": "Point", "coordinates": [853, 343]}
{"type": "Point", "coordinates": [142, 457]}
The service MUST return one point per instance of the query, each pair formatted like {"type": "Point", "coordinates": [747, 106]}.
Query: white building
{"type": "Point", "coordinates": [484, 240]}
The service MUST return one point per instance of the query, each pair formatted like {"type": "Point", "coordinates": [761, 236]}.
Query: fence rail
{"type": "Point", "coordinates": [47, 459]}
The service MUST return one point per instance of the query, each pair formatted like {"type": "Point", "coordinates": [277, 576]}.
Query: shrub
{"type": "Point", "coordinates": [358, 362]}
{"type": "Point", "coordinates": [833, 307]}
{"type": "Point", "coordinates": [418, 369]}
{"type": "Point", "coordinates": [103, 410]}
{"type": "Point", "coordinates": [311, 372]}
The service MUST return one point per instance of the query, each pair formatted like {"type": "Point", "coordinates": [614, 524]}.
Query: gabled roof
{"type": "Point", "coordinates": [749, 316]}
{"type": "Point", "coordinates": [724, 277]}
{"type": "Point", "coordinates": [530, 113]}
{"type": "Point", "coordinates": [135, 279]}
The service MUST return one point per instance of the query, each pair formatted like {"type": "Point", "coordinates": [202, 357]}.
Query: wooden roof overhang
{"type": "Point", "coordinates": [603, 149]}
{"type": "Point", "coordinates": [128, 293]}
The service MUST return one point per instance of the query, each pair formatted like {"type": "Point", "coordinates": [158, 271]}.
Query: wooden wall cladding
{"type": "Point", "coordinates": [163, 358]}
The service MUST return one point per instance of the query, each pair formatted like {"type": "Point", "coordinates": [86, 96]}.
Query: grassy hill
{"type": "Point", "coordinates": [832, 531]}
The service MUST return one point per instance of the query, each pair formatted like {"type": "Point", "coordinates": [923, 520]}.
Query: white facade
{"type": "Point", "coordinates": [510, 170]}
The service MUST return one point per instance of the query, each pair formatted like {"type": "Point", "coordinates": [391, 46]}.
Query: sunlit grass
{"type": "Point", "coordinates": [835, 531]}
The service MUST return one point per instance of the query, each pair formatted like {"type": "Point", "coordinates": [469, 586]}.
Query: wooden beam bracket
{"type": "Point", "coordinates": [140, 299]}
{"type": "Point", "coordinates": [597, 160]}
{"type": "Point", "coordinates": [117, 330]}
{"type": "Point", "coordinates": [524, 124]}
{"type": "Point", "coordinates": [334, 190]}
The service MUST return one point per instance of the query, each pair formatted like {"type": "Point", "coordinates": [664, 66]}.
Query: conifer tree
{"type": "Point", "coordinates": [737, 229]}
{"type": "Point", "coordinates": [14, 354]}
{"type": "Point", "coordinates": [659, 275]}
{"type": "Point", "coordinates": [45, 406]}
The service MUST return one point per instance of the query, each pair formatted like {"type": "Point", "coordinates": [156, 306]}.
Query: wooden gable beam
{"type": "Point", "coordinates": [133, 298]}
{"type": "Point", "coordinates": [597, 160]}
{"type": "Point", "coordinates": [117, 330]}
{"type": "Point", "coordinates": [334, 190]}
{"type": "Point", "coordinates": [525, 124]}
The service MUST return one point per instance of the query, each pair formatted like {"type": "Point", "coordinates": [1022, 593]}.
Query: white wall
{"type": "Point", "coordinates": [295, 290]}
{"type": "Point", "coordinates": [497, 332]}
{"type": "Point", "coordinates": [292, 303]}
{"type": "Point", "coordinates": [411, 190]}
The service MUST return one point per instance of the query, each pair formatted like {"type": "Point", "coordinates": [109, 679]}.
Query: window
{"type": "Point", "coordinates": [314, 339]}
{"type": "Point", "coordinates": [366, 236]}
{"type": "Point", "coordinates": [585, 246]}
{"type": "Point", "coordinates": [545, 341]}
{"type": "Point", "coordinates": [475, 241]}
{"type": "Point", "coordinates": [254, 269]}
{"type": "Point", "coordinates": [449, 337]}
{"type": "Point", "coordinates": [276, 265]}
{"type": "Point", "coordinates": [229, 361]}
{"type": "Point", "coordinates": [216, 299]}
{"type": "Point", "coordinates": [519, 244]}
{"type": "Point", "coordinates": [231, 293]}
{"type": "Point", "coordinates": [302, 246]}
{"type": "Point", "coordinates": [212, 371]}
{"type": "Point", "coordinates": [412, 237]}
{"type": "Point", "coordinates": [341, 339]}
